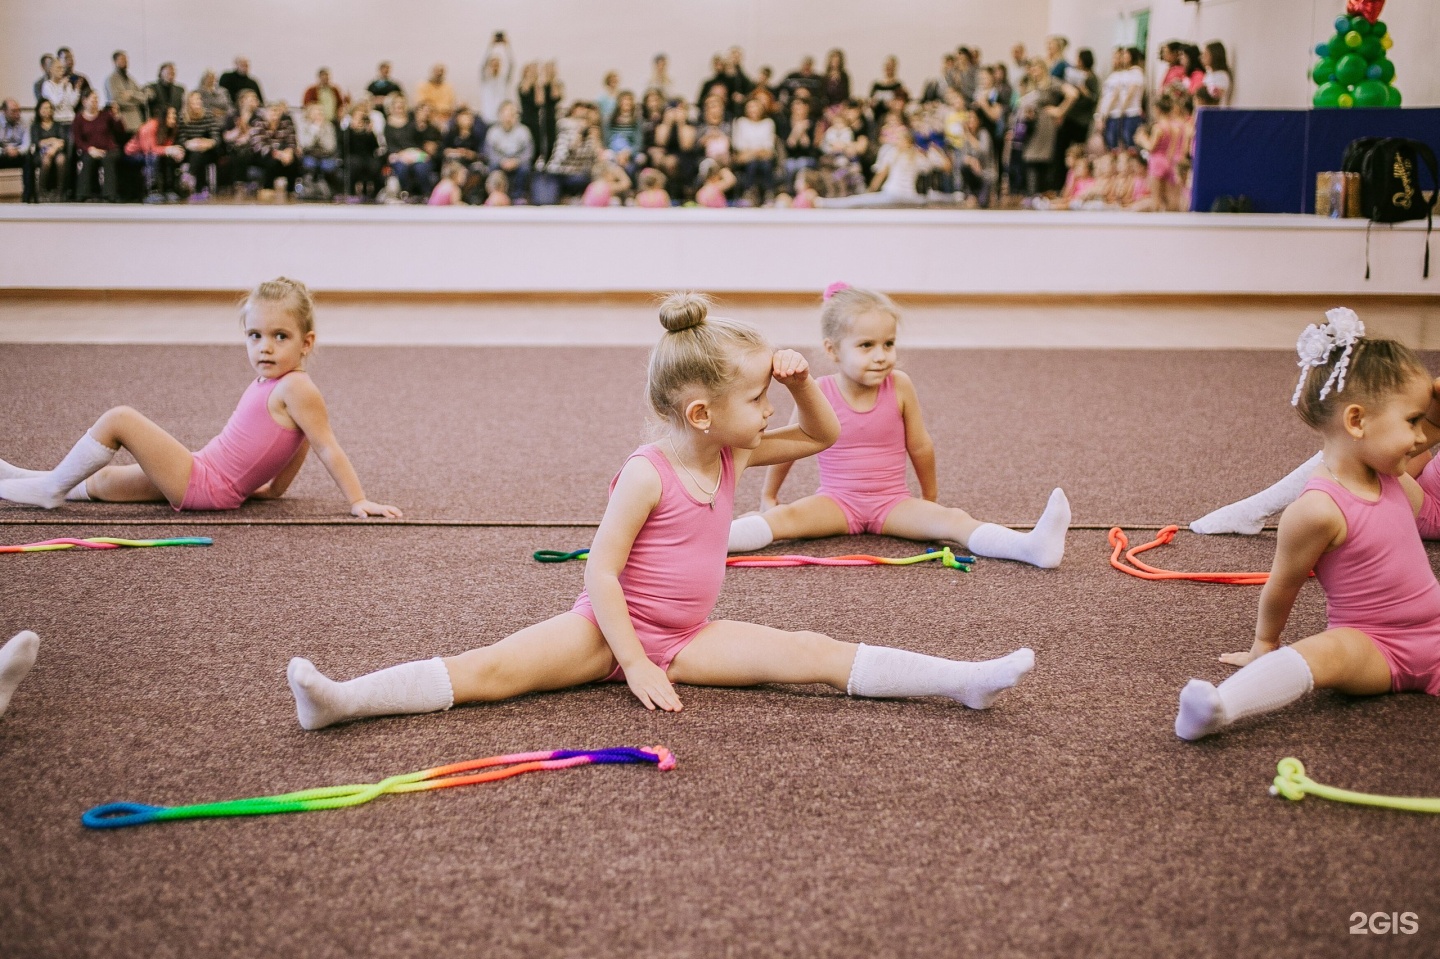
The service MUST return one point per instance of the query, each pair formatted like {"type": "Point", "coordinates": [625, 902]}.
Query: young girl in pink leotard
{"type": "Point", "coordinates": [658, 560]}
{"type": "Point", "coordinates": [258, 454]}
{"type": "Point", "coordinates": [862, 477]}
{"type": "Point", "coordinates": [1354, 525]}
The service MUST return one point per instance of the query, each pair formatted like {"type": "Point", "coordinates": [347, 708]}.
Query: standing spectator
{"type": "Point", "coordinates": [660, 76]}
{"type": "Point", "coordinates": [199, 134]}
{"type": "Point", "coordinates": [1018, 71]}
{"type": "Point", "coordinates": [539, 95]}
{"type": "Point", "coordinates": [1121, 98]}
{"type": "Point", "coordinates": [45, 60]}
{"type": "Point", "coordinates": [360, 150]}
{"type": "Point", "coordinates": [77, 80]}
{"type": "Point", "coordinates": [319, 154]}
{"type": "Point", "coordinates": [1042, 130]}
{"type": "Point", "coordinates": [239, 137]}
{"type": "Point", "coordinates": [438, 93]}
{"type": "Point", "coordinates": [496, 77]}
{"type": "Point", "coordinates": [1076, 112]}
{"type": "Point", "coordinates": [215, 98]}
{"type": "Point", "coordinates": [164, 92]}
{"type": "Point", "coordinates": [716, 79]}
{"type": "Point", "coordinates": [15, 147]}
{"type": "Point", "coordinates": [331, 98]}
{"type": "Point", "coordinates": [1055, 47]}
{"type": "Point", "coordinates": [1193, 74]}
{"type": "Point", "coordinates": [382, 86]}
{"type": "Point", "coordinates": [1217, 78]}
{"type": "Point", "coordinates": [805, 78]}
{"type": "Point", "coordinates": [753, 141]}
{"type": "Point", "coordinates": [240, 79]}
{"type": "Point", "coordinates": [97, 135]}
{"type": "Point", "coordinates": [765, 91]}
{"type": "Point", "coordinates": [887, 88]}
{"type": "Point", "coordinates": [935, 90]}
{"type": "Point", "coordinates": [126, 96]}
{"type": "Point", "coordinates": [63, 94]}
{"type": "Point", "coordinates": [1170, 56]}
{"type": "Point", "coordinates": [277, 148]}
{"type": "Point", "coordinates": [967, 73]}
{"type": "Point", "coordinates": [837, 80]}
{"type": "Point", "coordinates": [802, 146]}
{"type": "Point", "coordinates": [154, 144]}
{"type": "Point", "coordinates": [510, 148]}
{"type": "Point", "coordinates": [975, 171]}
{"type": "Point", "coordinates": [609, 93]}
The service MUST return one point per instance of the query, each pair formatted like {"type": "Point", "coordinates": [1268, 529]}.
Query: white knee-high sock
{"type": "Point", "coordinates": [881, 672]}
{"type": "Point", "coordinates": [1274, 680]}
{"type": "Point", "coordinates": [749, 533]}
{"type": "Point", "coordinates": [87, 457]}
{"type": "Point", "coordinates": [16, 658]}
{"type": "Point", "coordinates": [11, 471]}
{"type": "Point", "coordinates": [422, 686]}
{"type": "Point", "coordinates": [1248, 515]}
{"type": "Point", "coordinates": [1043, 546]}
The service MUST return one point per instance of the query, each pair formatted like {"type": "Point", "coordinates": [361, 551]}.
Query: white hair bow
{"type": "Point", "coordinates": [1343, 329]}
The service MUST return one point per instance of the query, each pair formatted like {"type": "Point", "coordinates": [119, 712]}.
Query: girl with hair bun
{"type": "Point", "coordinates": [258, 454]}
{"type": "Point", "coordinates": [658, 561]}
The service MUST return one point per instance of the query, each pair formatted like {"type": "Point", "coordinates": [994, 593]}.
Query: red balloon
{"type": "Point", "coordinates": [1369, 9]}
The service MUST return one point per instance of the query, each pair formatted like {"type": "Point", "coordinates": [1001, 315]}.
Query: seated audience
{"type": "Point", "coordinates": [510, 149]}
{"type": "Point", "coordinates": [753, 141]}
{"type": "Point", "coordinates": [277, 148]}
{"type": "Point", "coordinates": [15, 152]}
{"type": "Point", "coordinates": [97, 135]}
{"type": "Point", "coordinates": [199, 134]}
{"type": "Point", "coordinates": [361, 152]}
{"type": "Point", "coordinates": [154, 144]}
{"type": "Point", "coordinates": [319, 154]}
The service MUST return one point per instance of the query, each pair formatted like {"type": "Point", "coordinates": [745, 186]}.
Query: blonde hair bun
{"type": "Point", "coordinates": [683, 311]}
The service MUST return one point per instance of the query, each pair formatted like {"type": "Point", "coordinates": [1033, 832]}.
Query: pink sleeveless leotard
{"type": "Point", "coordinates": [864, 472]}
{"type": "Point", "coordinates": [1429, 519]}
{"type": "Point", "coordinates": [250, 451]}
{"type": "Point", "coordinates": [1379, 581]}
{"type": "Point", "coordinates": [676, 566]}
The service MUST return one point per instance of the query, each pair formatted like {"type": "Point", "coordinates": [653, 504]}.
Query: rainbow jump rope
{"type": "Point", "coordinates": [947, 559]}
{"type": "Point", "coordinates": [103, 542]}
{"type": "Point", "coordinates": [119, 814]}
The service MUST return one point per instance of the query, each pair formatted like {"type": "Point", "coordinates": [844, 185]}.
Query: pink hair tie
{"type": "Point", "coordinates": [835, 287]}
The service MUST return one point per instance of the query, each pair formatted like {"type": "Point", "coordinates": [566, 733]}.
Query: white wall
{"type": "Point", "coordinates": [287, 40]}
{"type": "Point", "coordinates": [1271, 42]}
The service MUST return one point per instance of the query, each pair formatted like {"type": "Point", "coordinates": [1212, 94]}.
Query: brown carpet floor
{"type": "Point", "coordinates": [1066, 821]}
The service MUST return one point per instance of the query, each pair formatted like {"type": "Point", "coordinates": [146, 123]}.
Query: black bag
{"type": "Point", "coordinates": [1389, 169]}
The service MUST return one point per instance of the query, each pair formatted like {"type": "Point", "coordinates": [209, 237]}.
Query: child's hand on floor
{"type": "Point", "coordinates": [366, 508]}
{"type": "Point", "coordinates": [790, 368]}
{"type": "Point", "coordinates": [652, 687]}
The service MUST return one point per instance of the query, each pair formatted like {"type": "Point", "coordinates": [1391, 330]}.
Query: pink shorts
{"type": "Point", "coordinates": [865, 512]}
{"type": "Point", "coordinates": [661, 643]}
{"type": "Point", "coordinates": [1414, 658]}
{"type": "Point", "coordinates": [208, 490]}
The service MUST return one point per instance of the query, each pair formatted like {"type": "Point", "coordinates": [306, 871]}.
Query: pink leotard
{"type": "Point", "coordinates": [676, 566]}
{"type": "Point", "coordinates": [864, 472]}
{"type": "Point", "coordinates": [1429, 519]}
{"type": "Point", "coordinates": [250, 451]}
{"type": "Point", "coordinates": [1379, 581]}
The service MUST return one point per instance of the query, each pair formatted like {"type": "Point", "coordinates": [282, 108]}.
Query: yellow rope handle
{"type": "Point", "coordinates": [1293, 784]}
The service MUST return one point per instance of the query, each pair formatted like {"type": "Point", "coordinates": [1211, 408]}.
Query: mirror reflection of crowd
{"type": "Point", "coordinates": [1038, 131]}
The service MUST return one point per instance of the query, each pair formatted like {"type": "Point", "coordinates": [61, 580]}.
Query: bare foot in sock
{"type": "Point", "coordinates": [1201, 711]}
{"type": "Point", "coordinates": [16, 658]}
{"type": "Point", "coordinates": [1236, 518]}
{"type": "Point", "coordinates": [319, 702]}
{"type": "Point", "coordinates": [988, 679]}
{"type": "Point", "coordinates": [31, 491]}
{"type": "Point", "coordinates": [1048, 536]}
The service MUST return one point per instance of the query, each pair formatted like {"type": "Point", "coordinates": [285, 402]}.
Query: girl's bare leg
{"type": "Point", "coordinates": [810, 518]}
{"type": "Point", "coordinates": [1343, 659]}
{"type": "Point", "coordinates": [923, 520]}
{"type": "Point", "coordinates": [563, 651]}
{"type": "Point", "coordinates": [123, 484]}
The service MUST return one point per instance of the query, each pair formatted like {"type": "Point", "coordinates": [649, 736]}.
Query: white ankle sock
{"type": "Point", "coordinates": [1043, 546]}
{"type": "Point", "coordinates": [16, 658]}
{"type": "Point", "coordinates": [749, 533]}
{"type": "Point", "coordinates": [10, 471]}
{"type": "Point", "coordinates": [48, 490]}
{"type": "Point", "coordinates": [81, 492]}
{"type": "Point", "coordinates": [1274, 680]}
{"type": "Point", "coordinates": [881, 672]}
{"type": "Point", "coordinates": [422, 686]}
{"type": "Point", "coordinates": [1248, 515]}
